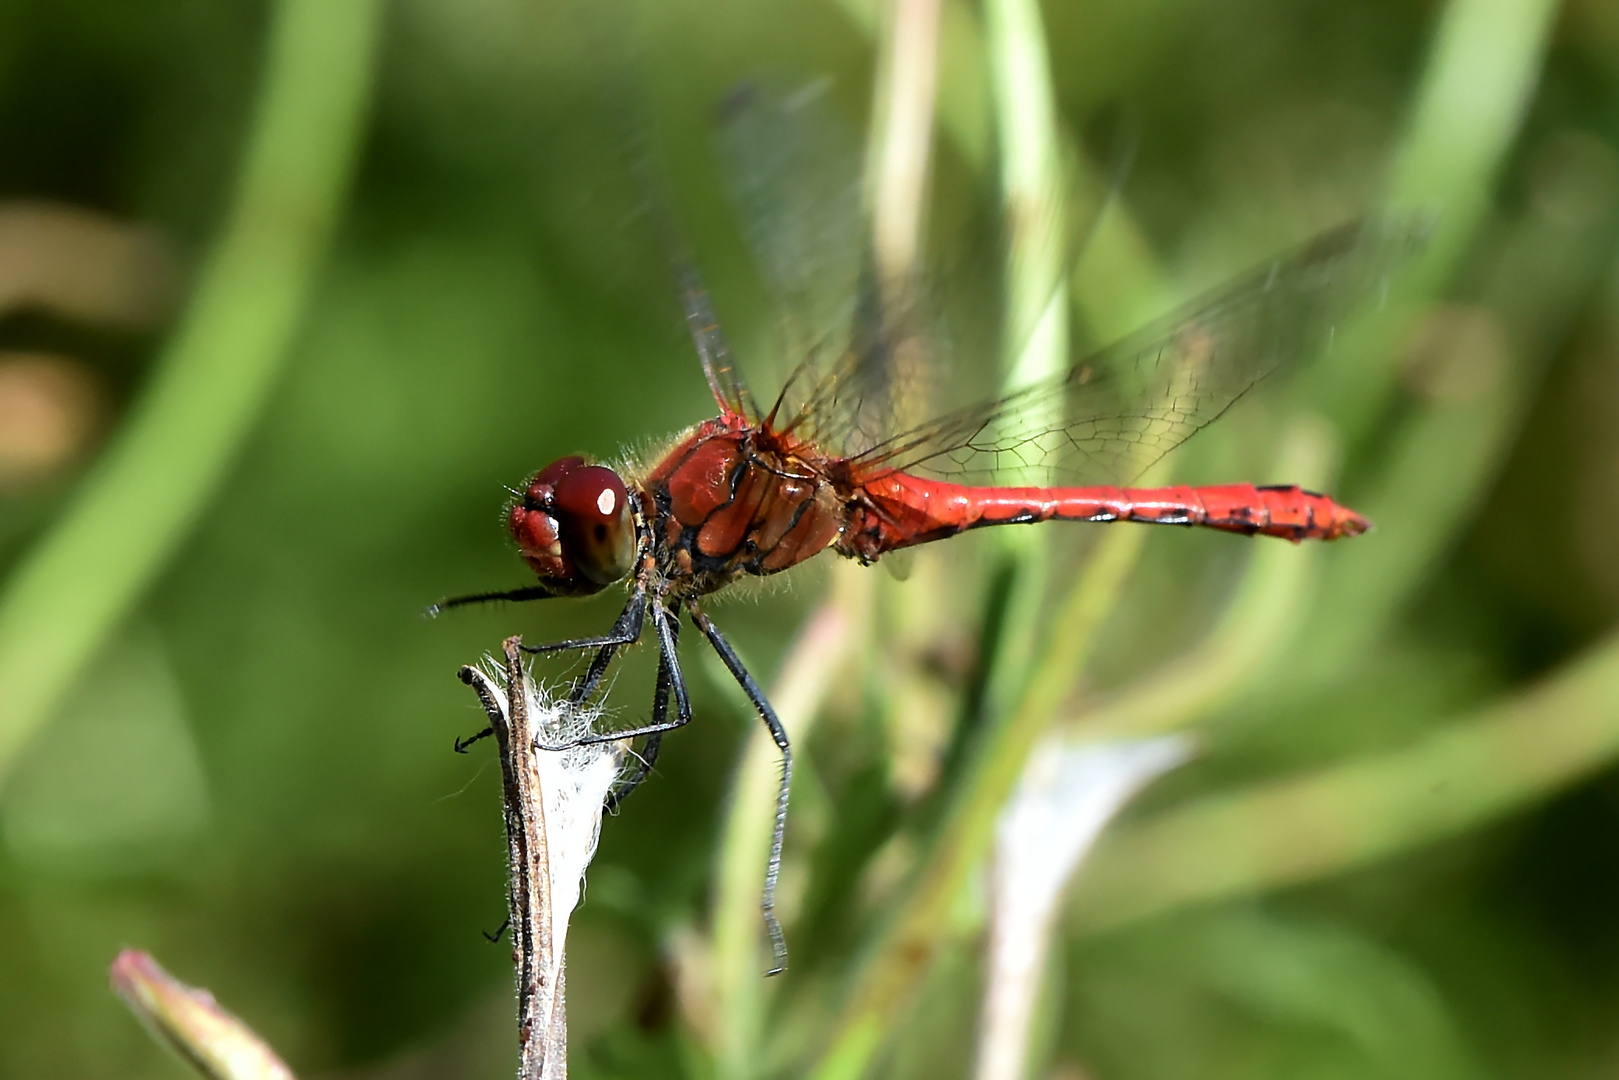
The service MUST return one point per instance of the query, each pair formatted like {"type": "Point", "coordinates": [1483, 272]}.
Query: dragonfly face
{"type": "Point", "coordinates": [574, 528]}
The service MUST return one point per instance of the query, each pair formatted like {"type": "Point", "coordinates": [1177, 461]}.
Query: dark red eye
{"type": "Point", "coordinates": [547, 477]}
{"type": "Point", "coordinates": [593, 508]}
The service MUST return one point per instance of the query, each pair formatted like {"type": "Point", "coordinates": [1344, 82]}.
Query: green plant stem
{"type": "Point", "coordinates": [1439, 465]}
{"type": "Point", "coordinates": [1481, 72]}
{"type": "Point", "coordinates": [900, 153]}
{"type": "Point", "coordinates": [1265, 611]}
{"type": "Point", "coordinates": [903, 955]}
{"type": "Point", "coordinates": [180, 438]}
{"type": "Point", "coordinates": [808, 673]}
{"type": "Point", "coordinates": [1033, 193]}
{"type": "Point", "coordinates": [1273, 595]}
{"type": "Point", "coordinates": [1035, 334]}
{"type": "Point", "coordinates": [1328, 821]}
{"type": "Point", "coordinates": [1115, 281]}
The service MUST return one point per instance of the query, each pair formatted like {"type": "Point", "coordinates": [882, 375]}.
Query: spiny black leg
{"type": "Point", "coordinates": [654, 742]}
{"type": "Point", "coordinates": [677, 683]}
{"type": "Point", "coordinates": [733, 663]}
{"type": "Point", "coordinates": [474, 678]}
{"type": "Point", "coordinates": [532, 592]}
{"type": "Point", "coordinates": [667, 624]}
{"type": "Point", "coordinates": [644, 764]}
{"type": "Point", "coordinates": [462, 744]}
{"type": "Point", "coordinates": [631, 618]}
{"type": "Point", "coordinates": [500, 932]}
{"type": "Point", "coordinates": [626, 631]}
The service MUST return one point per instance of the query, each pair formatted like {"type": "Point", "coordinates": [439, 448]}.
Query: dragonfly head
{"type": "Point", "coordinates": [574, 528]}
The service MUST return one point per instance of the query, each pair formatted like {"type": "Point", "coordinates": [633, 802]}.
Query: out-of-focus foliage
{"type": "Point", "coordinates": [252, 776]}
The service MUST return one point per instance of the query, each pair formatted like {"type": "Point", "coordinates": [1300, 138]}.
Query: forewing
{"type": "Point", "coordinates": [1128, 405]}
{"type": "Point", "coordinates": [794, 169]}
{"type": "Point", "coordinates": [713, 351]}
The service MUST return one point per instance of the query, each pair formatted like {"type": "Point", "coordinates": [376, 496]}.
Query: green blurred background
{"type": "Point", "coordinates": [251, 776]}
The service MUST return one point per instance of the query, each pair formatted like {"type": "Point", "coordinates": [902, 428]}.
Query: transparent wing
{"type": "Point", "coordinates": [1128, 405]}
{"type": "Point", "coordinates": [794, 170]}
{"type": "Point", "coordinates": [713, 351]}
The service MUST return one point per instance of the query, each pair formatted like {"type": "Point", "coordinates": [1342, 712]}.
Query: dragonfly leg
{"type": "Point", "coordinates": [475, 679]}
{"type": "Point", "coordinates": [626, 631]}
{"type": "Point", "coordinates": [531, 592]}
{"type": "Point", "coordinates": [654, 741]}
{"type": "Point", "coordinates": [461, 744]}
{"type": "Point", "coordinates": [733, 663]}
{"type": "Point", "coordinates": [677, 684]}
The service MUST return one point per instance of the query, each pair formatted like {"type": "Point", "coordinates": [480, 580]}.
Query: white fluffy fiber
{"type": "Point", "coordinates": [574, 784]}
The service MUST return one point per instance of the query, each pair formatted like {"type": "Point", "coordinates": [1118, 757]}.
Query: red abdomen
{"type": "Point", "coordinates": [908, 510]}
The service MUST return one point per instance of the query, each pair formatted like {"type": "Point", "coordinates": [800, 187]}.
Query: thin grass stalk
{"type": "Point", "coordinates": [191, 1022]}
{"type": "Point", "coordinates": [1035, 335]}
{"type": "Point", "coordinates": [899, 159]}
{"type": "Point", "coordinates": [740, 995]}
{"type": "Point", "coordinates": [1481, 72]}
{"type": "Point", "coordinates": [1115, 281]}
{"type": "Point", "coordinates": [888, 978]}
{"type": "Point", "coordinates": [1266, 609]}
{"type": "Point", "coordinates": [180, 438]}
{"type": "Point", "coordinates": [1472, 772]}
{"type": "Point", "coordinates": [1440, 463]}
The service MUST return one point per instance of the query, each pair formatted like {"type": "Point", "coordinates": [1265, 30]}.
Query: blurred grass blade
{"type": "Point", "coordinates": [182, 435]}
{"type": "Point", "coordinates": [1033, 193]}
{"type": "Point", "coordinates": [1068, 794]}
{"type": "Point", "coordinates": [902, 143]}
{"type": "Point", "coordinates": [1265, 613]}
{"type": "Point", "coordinates": [885, 982]}
{"type": "Point", "coordinates": [1473, 389]}
{"type": "Point", "coordinates": [191, 1023]}
{"type": "Point", "coordinates": [1034, 340]}
{"type": "Point", "coordinates": [807, 674]}
{"type": "Point", "coordinates": [1482, 69]}
{"type": "Point", "coordinates": [1346, 816]}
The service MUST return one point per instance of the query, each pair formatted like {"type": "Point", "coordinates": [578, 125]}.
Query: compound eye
{"type": "Point", "coordinates": [593, 508]}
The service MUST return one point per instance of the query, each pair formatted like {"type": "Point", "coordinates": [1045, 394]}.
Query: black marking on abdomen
{"type": "Point", "coordinates": [1290, 488]}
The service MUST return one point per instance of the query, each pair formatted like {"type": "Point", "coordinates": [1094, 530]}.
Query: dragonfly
{"type": "Point", "coordinates": [832, 466]}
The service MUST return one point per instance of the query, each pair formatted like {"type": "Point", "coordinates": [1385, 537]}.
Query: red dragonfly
{"type": "Point", "coordinates": [831, 465]}
{"type": "Point", "coordinates": [750, 493]}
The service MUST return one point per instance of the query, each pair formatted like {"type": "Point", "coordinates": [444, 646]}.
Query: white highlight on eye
{"type": "Point", "coordinates": [606, 501]}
